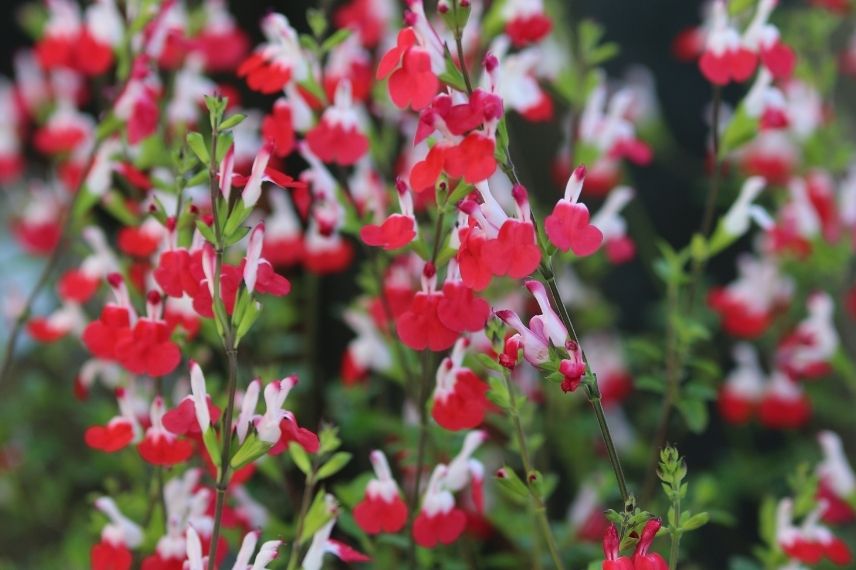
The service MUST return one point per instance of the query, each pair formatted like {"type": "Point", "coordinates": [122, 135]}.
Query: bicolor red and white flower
{"type": "Point", "coordinates": [382, 508]}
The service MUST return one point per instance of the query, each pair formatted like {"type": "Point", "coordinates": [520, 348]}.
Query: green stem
{"type": "Point", "coordinates": [422, 402]}
{"type": "Point", "coordinates": [674, 551]}
{"type": "Point", "coordinates": [674, 358]}
{"type": "Point", "coordinates": [673, 367]}
{"type": "Point", "coordinates": [539, 506]}
{"type": "Point", "coordinates": [231, 350]}
{"type": "Point", "coordinates": [47, 270]}
{"type": "Point", "coordinates": [301, 519]}
{"type": "Point", "coordinates": [592, 389]}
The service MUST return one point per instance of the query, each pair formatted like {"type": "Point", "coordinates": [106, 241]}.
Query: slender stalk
{"type": "Point", "coordinates": [673, 367]}
{"type": "Point", "coordinates": [48, 269]}
{"type": "Point", "coordinates": [674, 360]}
{"type": "Point", "coordinates": [428, 367]}
{"type": "Point", "coordinates": [592, 390]}
{"type": "Point", "coordinates": [301, 519]}
{"type": "Point", "coordinates": [312, 305]}
{"type": "Point", "coordinates": [459, 45]}
{"type": "Point", "coordinates": [674, 551]}
{"type": "Point", "coordinates": [712, 195]}
{"type": "Point", "coordinates": [231, 350]}
{"type": "Point", "coordinates": [422, 402]}
{"type": "Point", "coordinates": [539, 506]}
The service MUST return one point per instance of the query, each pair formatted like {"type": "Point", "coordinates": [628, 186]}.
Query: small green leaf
{"type": "Point", "coordinates": [317, 21]}
{"type": "Point", "coordinates": [695, 414]}
{"type": "Point", "coordinates": [197, 144]}
{"type": "Point", "coordinates": [316, 517]}
{"type": "Point", "coordinates": [695, 521]}
{"type": "Point", "coordinates": [741, 129]}
{"type": "Point", "coordinates": [498, 393]}
{"type": "Point", "coordinates": [508, 481]}
{"type": "Point", "coordinates": [206, 231]}
{"type": "Point", "coordinates": [232, 121]}
{"type": "Point", "coordinates": [336, 39]}
{"type": "Point", "coordinates": [300, 457]}
{"type": "Point", "coordinates": [224, 142]}
{"type": "Point", "coordinates": [334, 465]}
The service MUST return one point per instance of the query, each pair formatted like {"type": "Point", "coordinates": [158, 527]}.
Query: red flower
{"type": "Point", "coordinates": [338, 138]}
{"type": "Point", "coordinates": [102, 336]}
{"type": "Point", "coordinates": [442, 527]}
{"type": "Point", "coordinates": [736, 64]}
{"type": "Point", "coordinates": [278, 128]}
{"type": "Point", "coordinates": [528, 29]}
{"type": "Point", "coordinates": [395, 232]}
{"type": "Point", "coordinates": [738, 318]}
{"type": "Point", "coordinates": [181, 420]}
{"type": "Point", "coordinates": [460, 399]}
{"type": "Point", "coordinates": [290, 431]}
{"type": "Point", "coordinates": [159, 446]}
{"type": "Point", "coordinates": [147, 348]}
{"type": "Point", "coordinates": [472, 159]}
{"type": "Point", "coordinates": [375, 515]}
{"type": "Point", "coordinates": [140, 241]}
{"type": "Point", "coordinates": [472, 258]}
{"type": "Point", "coordinates": [412, 83]}
{"type": "Point", "coordinates": [174, 275]}
{"type": "Point", "coordinates": [779, 59]}
{"type": "Point", "coordinates": [421, 328]}
{"type": "Point", "coordinates": [424, 174]}
{"type": "Point", "coordinates": [92, 57]}
{"type": "Point", "coordinates": [514, 252]}
{"type": "Point", "coordinates": [108, 556]}
{"type": "Point", "coordinates": [460, 310]}
{"type": "Point", "coordinates": [568, 227]}
{"type": "Point", "coordinates": [77, 285]}
{"type": "Point", "coordinates": [116, 435]}
{"type": "Point", "coordinates": [382, 508]}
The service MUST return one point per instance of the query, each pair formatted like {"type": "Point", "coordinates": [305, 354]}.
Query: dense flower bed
{"type": "Point", "coordinates": [488, 385]}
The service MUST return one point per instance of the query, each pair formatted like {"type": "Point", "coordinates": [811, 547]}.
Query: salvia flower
{"type": "Point", "coordinates": [322, 543]}
{"type": "Point", "coordinates": [837, 485]}
{"type": "Point", "coordinates": [568, 226]}
{"type": "Point", "coordinates": [382, 508]}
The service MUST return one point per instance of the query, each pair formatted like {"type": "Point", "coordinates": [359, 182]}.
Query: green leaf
{"type": "Point", "coordinates": [317, 21]}
{"type": "Point", "coordinates": [741, 129]}
{"type": "Point", "coordinates": [695, 414]}
{"type": "Point", "coordinates": [336, 39]}
{"type": "Point", "coordinates": [197, 144]}
{"type": "Point", "coordinates": [334, 465]}
{"type": "Point", "coordinates": [452, 75]}
{"type": "Point", "coordinates": [300, 457]}
{"type": "Point", "coordinates": [199, 178]}
{"type": "Point", "coordinates": [489, 363]}
{"type": "Point", "coordinates": [695, 521]}
{"type": "Point", "coordinates": [651, 383]}
{"type": "Point", "coordinates": [238, 216]}
{"type": "Point", "coordinates": [498, 393]}
{"type": "Point", "coordinates": [206, 231]}
{"type": "Point", "coordinates": [224, 142]}
{"type": "Point", "coordinates": [249, 318]}
{"type": "Point", "coordinates": [253, 448]}
{"type": "Point", "coordinates": [737, 6]}
{"type": "Point", "coordinates": [209, 438]}
{"type": "Point", "coordinates": [232, 121]}
{"type": "Point", "coordinates": [508, 481]}
{"type": "Point", "coordinates": [328, 439]}
{"type": "Point", "coordinates": [237, 235]}
{"type": "Point", "coordinates": [316, 517]}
